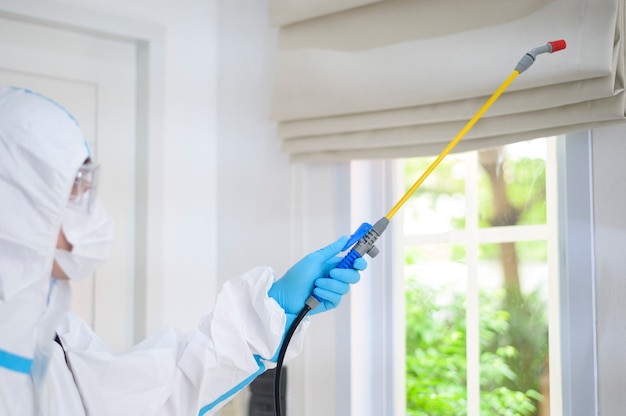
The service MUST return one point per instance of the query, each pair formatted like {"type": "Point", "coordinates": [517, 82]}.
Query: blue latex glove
{"type": "Point", "coordinates": [316, 273]}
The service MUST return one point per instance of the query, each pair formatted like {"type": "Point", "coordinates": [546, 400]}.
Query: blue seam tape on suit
{"type": "Point", "coordinates": [235, 389]}
{"type": "Point", "coordinates": [15, 362]}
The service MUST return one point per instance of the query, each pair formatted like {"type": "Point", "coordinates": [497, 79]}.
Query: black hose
{"type": "Point", "coordinates": [281, 356]}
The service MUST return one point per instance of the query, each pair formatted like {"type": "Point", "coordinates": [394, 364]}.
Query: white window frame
{"type": "Point", "coordinates": [577, 295]}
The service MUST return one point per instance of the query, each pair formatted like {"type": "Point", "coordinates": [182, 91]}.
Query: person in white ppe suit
{"type": "Point", "coordinates": [51, 362]}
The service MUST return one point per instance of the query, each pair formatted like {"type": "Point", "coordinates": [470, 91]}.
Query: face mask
{"type": "Point", "coordinates": [90, 235]}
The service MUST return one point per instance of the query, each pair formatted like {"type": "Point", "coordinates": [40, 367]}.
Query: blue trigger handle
{"type": "Point", "coordinates": [363, 241]}
{"type": "Point", "coordinates": [360, 232]}
{"type": "Point", "coordinates": [349, 260]}
{"type": "Point", "coordinates": [346, 263]}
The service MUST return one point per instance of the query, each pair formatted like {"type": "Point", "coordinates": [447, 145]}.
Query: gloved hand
{"type": "Point", "coordinates": [316, 273]}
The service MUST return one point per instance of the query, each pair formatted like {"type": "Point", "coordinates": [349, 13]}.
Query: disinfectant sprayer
{"type": "Point", "coordinates": [364, 239]}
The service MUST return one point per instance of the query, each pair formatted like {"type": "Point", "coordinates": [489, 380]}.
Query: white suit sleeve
{"type": "Point", "coordinates": [191, 375]}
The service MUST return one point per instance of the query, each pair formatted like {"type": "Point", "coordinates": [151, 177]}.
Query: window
{"type": "Point", "coordinates": [479, 239]}
{"type": "Point", "coordinates": [371, 352]}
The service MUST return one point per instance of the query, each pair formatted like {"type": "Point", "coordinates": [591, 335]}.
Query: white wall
{"type": "Point", "coordinates": [253, 174]}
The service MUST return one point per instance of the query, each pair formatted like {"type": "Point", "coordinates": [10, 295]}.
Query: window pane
{"type": "Point", "coordinates": [439, 203]}
{"type": "Point", "coordinates": [514, 328]}
{"type": "Point", "coordinates": [475, 240]}
{"type": "Point", "coordinates": [512, 185]}
{"type": "Point", "coordinates": [435, 332]}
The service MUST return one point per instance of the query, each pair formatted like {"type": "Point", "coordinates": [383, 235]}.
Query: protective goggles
{"type": "Point", "coordinates": [84, 188]}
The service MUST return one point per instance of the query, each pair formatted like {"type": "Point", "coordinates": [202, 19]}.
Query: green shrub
{"type": "Point", "coordinates": [436, 366]}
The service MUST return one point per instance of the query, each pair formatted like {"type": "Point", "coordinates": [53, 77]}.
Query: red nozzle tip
{"type": "Point", "coordinates": [557, 45]}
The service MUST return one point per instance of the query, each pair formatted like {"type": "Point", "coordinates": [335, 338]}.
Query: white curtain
{"type": "Point", "coordinates": [401, 78]}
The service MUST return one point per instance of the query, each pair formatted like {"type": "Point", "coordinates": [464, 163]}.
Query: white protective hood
{"type": "Point", "coordinates": [41, 149]}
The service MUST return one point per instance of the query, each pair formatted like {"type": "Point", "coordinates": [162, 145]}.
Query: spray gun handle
{"type": "Point", "coordinates": [363, 240]}
{"type": "Point", "coordinates": [348, 261]}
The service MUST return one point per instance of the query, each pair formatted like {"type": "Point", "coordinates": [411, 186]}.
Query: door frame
{"type": "Point", "coordinates": [149, 39]}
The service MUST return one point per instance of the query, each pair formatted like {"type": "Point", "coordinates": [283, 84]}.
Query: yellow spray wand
{"type": "Point", "coordinates": [526, 61]}
{"type": "Point", "coordinates": [452, 144]}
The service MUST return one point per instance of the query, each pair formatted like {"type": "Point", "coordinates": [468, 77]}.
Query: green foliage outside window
{"type": "Point", "coordinates": [513, 324]}
{"type": "Point", "coordinates": [436, 358]}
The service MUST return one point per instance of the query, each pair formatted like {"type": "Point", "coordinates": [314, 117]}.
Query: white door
{"type": "Point", "coordinates": [94, 79]}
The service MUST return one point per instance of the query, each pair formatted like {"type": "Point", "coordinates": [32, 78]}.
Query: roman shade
{"type": "Point", "coordinates": [360, 79]}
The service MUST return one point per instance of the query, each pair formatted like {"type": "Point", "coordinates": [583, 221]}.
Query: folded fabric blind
{"type": "Point", "coordinates": [284, 12]}
{"type": "Point", "coordinates": [401, 78]}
